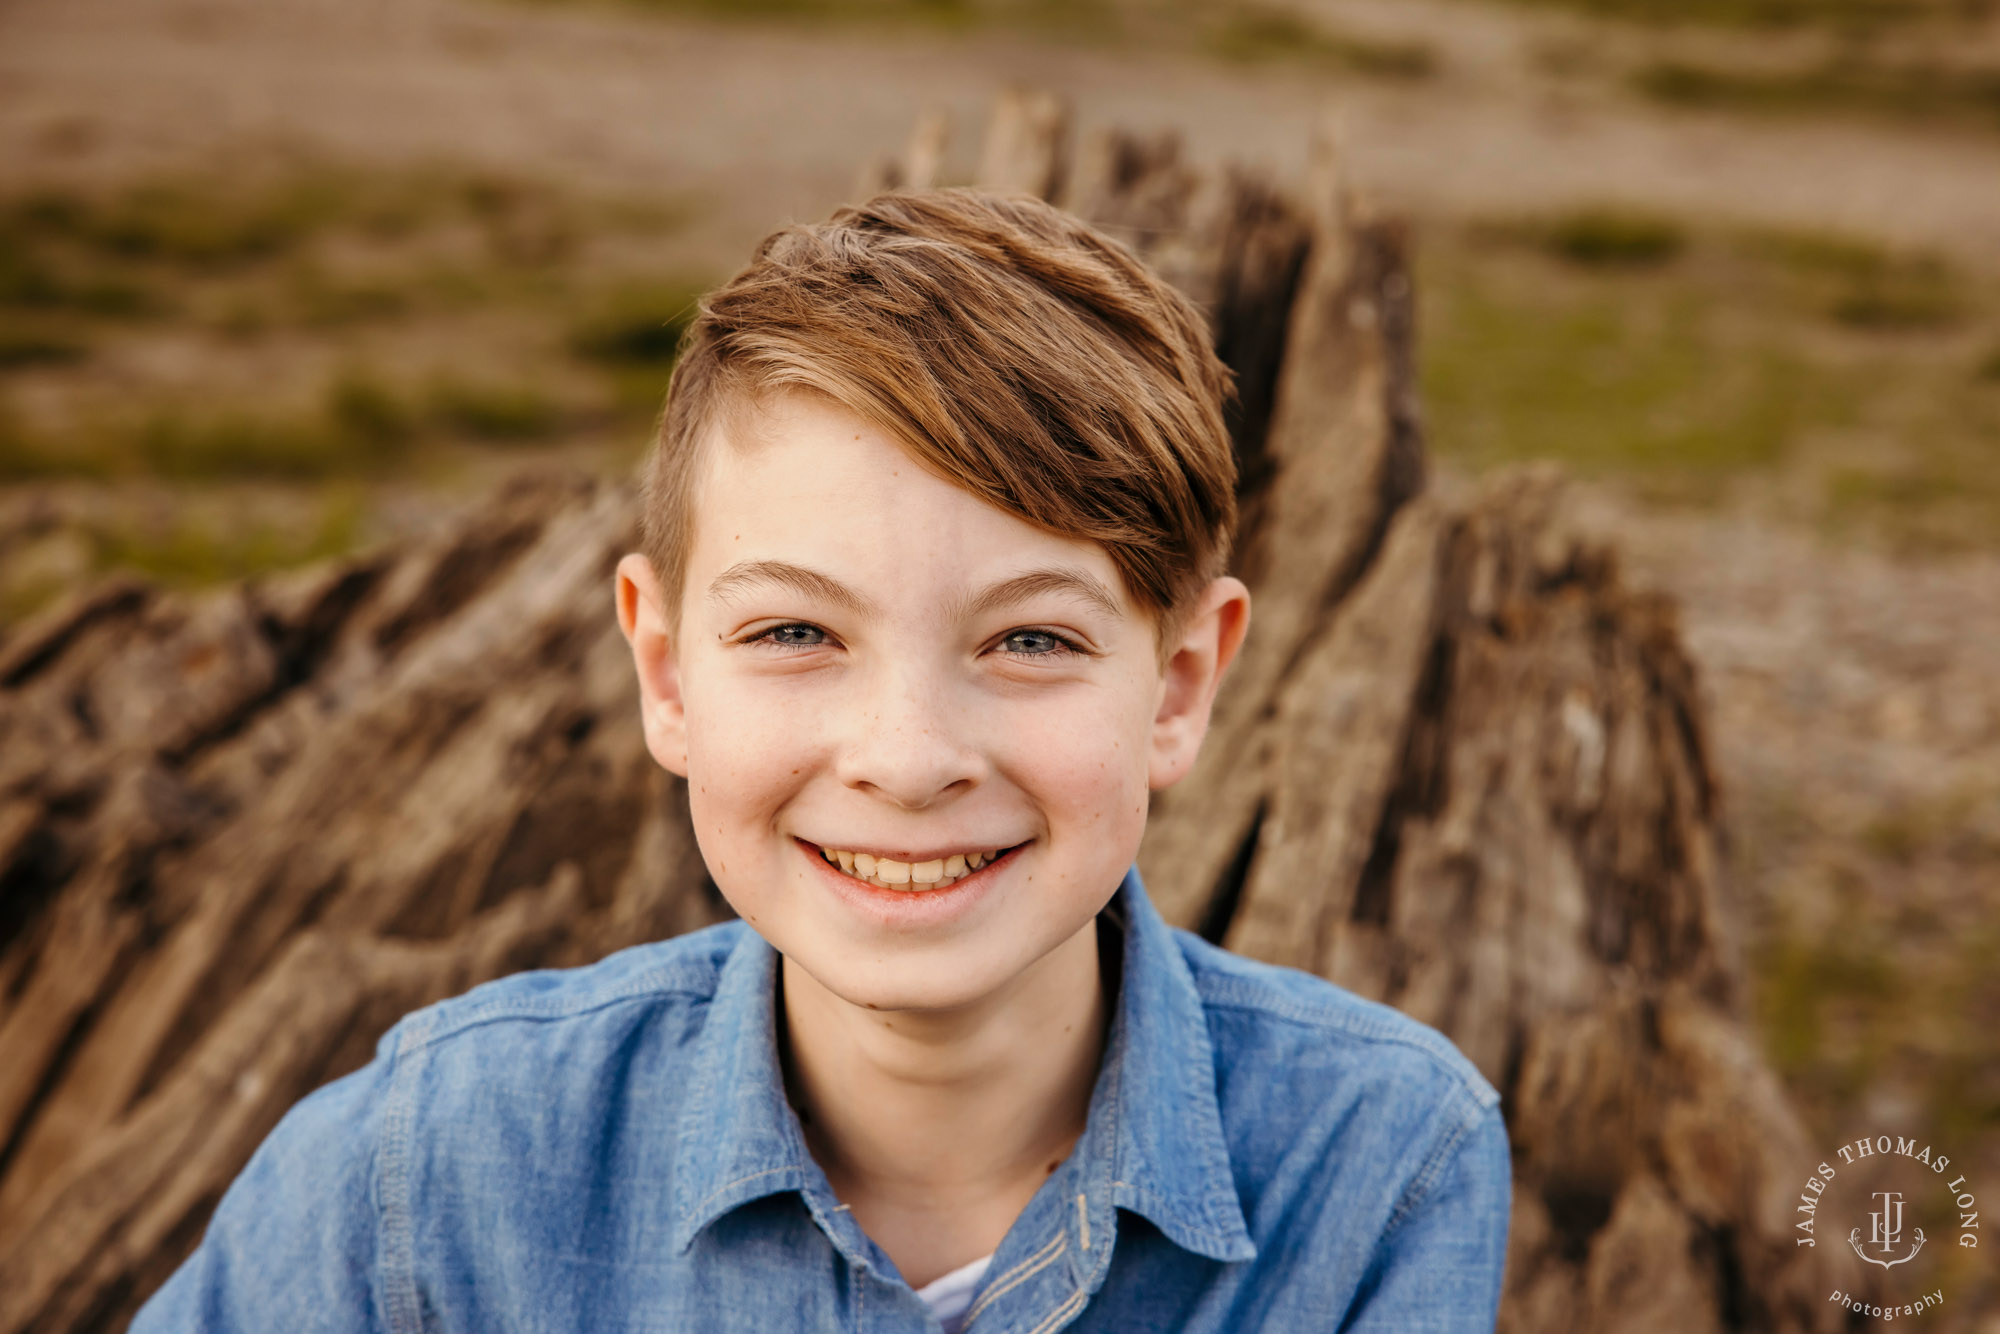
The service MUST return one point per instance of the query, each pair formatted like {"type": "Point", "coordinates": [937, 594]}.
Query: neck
{"type": "Point", "coordinates": [937, 1127]}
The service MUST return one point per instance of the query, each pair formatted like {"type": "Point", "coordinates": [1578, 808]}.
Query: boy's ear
{"type": "Point", "coordinates": [641, 615]}
{"type": "Point", "coordinates": [1209, 638]}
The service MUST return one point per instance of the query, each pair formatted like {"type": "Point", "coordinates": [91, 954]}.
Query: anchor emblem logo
{"type": "Point", "coordinates": [1887, 1232]}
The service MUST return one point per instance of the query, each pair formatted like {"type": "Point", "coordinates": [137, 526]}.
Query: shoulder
{"type": "Point", "coordinates": [1377, 1109]}
{"type": "Point", "coordinates": [1289, 1012]}
{"type": "Point", "coordinates": [676, 974]}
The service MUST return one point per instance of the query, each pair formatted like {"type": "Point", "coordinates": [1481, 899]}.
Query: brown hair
{"type": "Point", "coordinates": [1014, 350]}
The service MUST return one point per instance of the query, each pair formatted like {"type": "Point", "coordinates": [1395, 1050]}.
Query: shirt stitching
{"type": "Point", "coordinates": [1427, 1176]}
{"type": "Point", "coordinates": [399, 1264]}
{"type": "Point", "coordinates": [727, 1186]}
{"type": "Point", "coordinates": [499, 1011]}
{"type": "Point", "coordinates": [1071, 1305]}
{"type": "Point", "coordinates": [1019, 1274]}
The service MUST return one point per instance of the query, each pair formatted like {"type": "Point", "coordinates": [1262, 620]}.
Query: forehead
{"type": "Point", "coordinates": [797, 477]}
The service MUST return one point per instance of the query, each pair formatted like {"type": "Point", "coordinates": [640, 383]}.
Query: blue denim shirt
{"type": "Point", "coordinates": [610, 1148]}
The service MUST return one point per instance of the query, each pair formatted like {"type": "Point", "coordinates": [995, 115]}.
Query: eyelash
{"type": "Point", "coordinates": [1067, 647]}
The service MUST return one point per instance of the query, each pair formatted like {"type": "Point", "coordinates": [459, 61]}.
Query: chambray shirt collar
{"type": "Point", "coordinates": [1153, 1142]}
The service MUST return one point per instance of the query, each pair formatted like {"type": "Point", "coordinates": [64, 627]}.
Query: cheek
{"type": "Point", "coordinates": [1086, 764]}
{"type": "Point", "coordinates": [744, 760]}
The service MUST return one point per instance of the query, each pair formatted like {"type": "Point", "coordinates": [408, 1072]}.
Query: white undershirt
{"type": "Point", "coordinates": [950, 1295]}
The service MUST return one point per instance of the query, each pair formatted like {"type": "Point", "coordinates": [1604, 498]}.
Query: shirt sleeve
{"type": "Point", "coordinates": [1438, 1267]}
{"type": "Point", "coordinates": [294, 1243]}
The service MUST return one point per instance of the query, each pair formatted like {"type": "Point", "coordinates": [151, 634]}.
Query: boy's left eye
{"type": "Point", "coordinates": [795, 635]}
{"type": "Point", "coordinates": [1020, 643]}
{"type": "Point", "coordinates": [1036, 643]}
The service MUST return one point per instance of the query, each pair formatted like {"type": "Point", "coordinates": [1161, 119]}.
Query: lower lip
{"type": "Point", "coordinates": [910, 909]}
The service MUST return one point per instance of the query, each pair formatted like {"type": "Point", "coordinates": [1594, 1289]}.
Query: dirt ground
{"type": "Point", "coordinates": [768, 122]}
{"type": "Point", "coordinates": [1855, 692]}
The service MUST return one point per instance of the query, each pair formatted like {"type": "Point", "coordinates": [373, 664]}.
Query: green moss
{"type": "Point", "coordinates": [31, 278]}
{"type": "Point", "coordinates": [1515, 369]}
{"type": "Point", "coordinates": [1890, 305]}
{"type": "Point", "coordinates": [1863, 285]}
{"type": "Point", "coordinates": [1602, 236]}
{"type": "Point", "coordinates": [1802, 985]}
{"type": "Point", "coordinates": [235, 443]}
{"type": "Point", "coordinates": [362, 408]}
{"type": "Point", "coordinates": [1078, 18]}
{"type": "Point", "coordinates": [198, 224]}
{"type": "Point", "coordinates": [1823, 253]}
{"type": "Point", "coordinates": [192, 553]}
{"type": "Point", "coordinates": [318, 299]}
{"type": "Point", "coordinates": [1840, 15]}
{"type": "Point", "coordinates": [1914, 91]}
{"type": "Point", "coordinates": [639, 325]}
{"type": "Point", "coordinates": [1255, 33]}
{"type": "Point", "coordinates": [359, 427]}
{"type": "Point", "coordinates": [495, 412]}
{"type": "Point", "coordinates": [23, 345]}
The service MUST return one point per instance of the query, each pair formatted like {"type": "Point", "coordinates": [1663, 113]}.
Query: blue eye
{"type": "Point", "coordinates": [1036, 644]}
{"type": "Point", "coordinates": [795, 635]}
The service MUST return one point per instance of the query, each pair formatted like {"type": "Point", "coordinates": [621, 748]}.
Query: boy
{"type": "Point", "coordinates": [932, 598]}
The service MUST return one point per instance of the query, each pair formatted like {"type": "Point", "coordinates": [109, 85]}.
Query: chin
{"type": "Point", "coordinates": [901, 987]}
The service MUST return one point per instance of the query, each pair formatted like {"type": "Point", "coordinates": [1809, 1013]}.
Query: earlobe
{"type": "Point", "coordinates": [640, 603]}
{"type": "Point", "coordinates": [1209, 642]}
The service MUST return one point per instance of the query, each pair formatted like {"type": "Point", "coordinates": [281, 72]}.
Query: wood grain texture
{"type": "Point", "coordinates": [1458, 768]}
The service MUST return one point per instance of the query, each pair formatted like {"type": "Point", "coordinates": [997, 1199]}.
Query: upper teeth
{"type": "Point", "coordinates": [885, 873]}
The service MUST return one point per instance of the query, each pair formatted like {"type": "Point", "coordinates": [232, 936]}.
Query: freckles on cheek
{"type": "Point", "coordinates": [745, 753]}
{"type": "Point", "coordinates": [1082, 763]}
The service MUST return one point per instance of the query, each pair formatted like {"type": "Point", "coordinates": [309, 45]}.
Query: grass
{"type": "Point", "coordinates": [134, 251]}
{"type": "Point", "coordinates": [1882, 991]}
{"type": "Point", "coordinates": [1802, 985]}
{"type": "Point", "coordinates": [236, 443]}
{"type": "Point", "coordinates": [1865, 286]}
{"type": "Point", "coordinates": [1916, 91]}
{"type": "Point", "coordinates": [362, 408]}
{"type": "Point", "coordinates": [1241, 31]}
{"type": "Point", "coordinates": [312, 264]}
{"type": "Point", "coordinates": [1257, 33]}
{"type": "Point", "coordinates": [636, 326]}
{"type": "Point", "coordinates": [1683, 360]}
{"type": "Point", "coordinates": [1940, 492]}
{"type": "Point", "coordinates": [314, 297]}
{"type": "Point", "coordinates": [1086, 19]}
{"type": "Point", "coordinates": [510, 413]}
{"type": "Point", "coordinates": [358, 427]}
{"type": "Point", "coordinates": [176, 221]}
{"type": "Point", "coordinates": [24, 345]}
{"type": "Point", "coordinates": [30, 279]}
{"type": "Point", "coordinates": [1601, 236]}
{"type": "Point", "coordinates": [1839, 15]}
{"type": "Point", "coordinates": [191, 553]}
{"type": "Point", "coordinates": [1514, 369]}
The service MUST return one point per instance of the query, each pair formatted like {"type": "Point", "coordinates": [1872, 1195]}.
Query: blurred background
{"type": "Point", "coordinates": [282, 279]}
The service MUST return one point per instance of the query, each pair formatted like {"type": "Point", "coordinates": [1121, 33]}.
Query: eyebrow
{"type": "Point", "coordinates": [1055, 579]}
{"type": "Point", "coordinates": [799, 579]}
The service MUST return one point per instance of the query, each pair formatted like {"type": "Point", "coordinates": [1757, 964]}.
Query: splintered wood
{"type": "Point", "coordinates": [1457, 768]}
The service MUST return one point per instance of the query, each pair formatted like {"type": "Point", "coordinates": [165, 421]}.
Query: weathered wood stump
{"type": "Point", "coordinates": [1458, 768]}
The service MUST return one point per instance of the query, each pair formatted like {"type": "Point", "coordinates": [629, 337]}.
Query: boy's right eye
{"type": "Point", "coordinates": [796, 634]}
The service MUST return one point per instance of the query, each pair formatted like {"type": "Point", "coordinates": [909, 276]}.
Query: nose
{"type": "Point", "coordinates": [911, 742]}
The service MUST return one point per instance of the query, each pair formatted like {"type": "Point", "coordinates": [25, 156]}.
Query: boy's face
{"type": "Point", "coordinates": [872, 660]}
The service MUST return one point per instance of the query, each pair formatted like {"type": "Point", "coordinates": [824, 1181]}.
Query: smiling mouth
{"type": "Point", "coordinates": [911, 877]}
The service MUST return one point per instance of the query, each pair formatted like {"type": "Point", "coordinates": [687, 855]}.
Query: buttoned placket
{"type": "Point", "coordinates": [741, 1140]}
